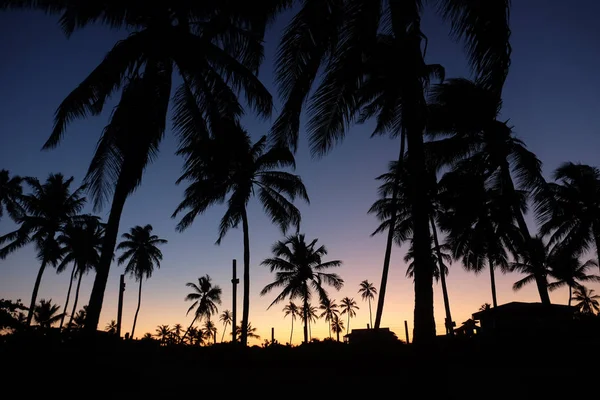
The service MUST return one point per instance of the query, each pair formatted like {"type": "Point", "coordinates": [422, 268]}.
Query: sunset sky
{"type": "Point", "coordinates": [551, 97]}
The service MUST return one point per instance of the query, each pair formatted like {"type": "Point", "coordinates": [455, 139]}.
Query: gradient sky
{"type": "Point", "coordinates": [550, 97]}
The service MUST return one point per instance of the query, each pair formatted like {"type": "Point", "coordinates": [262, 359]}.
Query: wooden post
{"type": "Point", "coordinates": [234, 282]}
{"type": "Point", "coordinates": [120, 306]}
{"type": "Point", "coordinates": [272, 335]}
{"type": "Point", "coordinates": [406, 332]}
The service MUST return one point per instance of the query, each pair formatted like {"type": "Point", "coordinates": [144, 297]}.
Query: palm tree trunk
{"type": "Point", "coordinates": [137, 310]}
{"type": "Point", "coordinates": [540, 279]}
{"type": "Point", "coordinates": [390, 237]}
{"type": "Point", "coordinates": [36, 288]}
{"type": "Point", "coordinates": [292, 331]}
{"type": "Point", "coordinates": [108, 247]}
{"type": "Point", "coordinates": [370, 315]}
{"type": "Point", "coordinates": [597, 239]}
{"type": "Point", "coordinates": [246, 303]}
{"type": "Point", "coordinates": [330, 329]}
{"type": "Point", "coordinates": [190, 327]}
{"type": "Point", "coordinates": [570, 294]}
{"type": "Point", "coordinates": [493, 282]}
{"type": "Point", "coordinates": [448, 324]}
{"type": "Point", "coordinates": [347, 325]}
{"type": "Point", "coordinates": [64, 313]}
{"type": "Point", "coordinates": [305, 318]}
{"type": "Point", "coordinates": [223, 335]}
{"type": "Point", "coordinates": [338, 335]}
{"type": "Point", "coordinates": [75, 302]}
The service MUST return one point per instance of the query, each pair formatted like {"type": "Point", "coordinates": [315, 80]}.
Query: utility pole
{"type": "Point", "coordinates": [272, 335]}
{"type": "Point", "coordinates": [406, 332]}
{"type": "Point", "coordinates": [234, 282]}
{"type": "Point", "coordinates": [120, 308]}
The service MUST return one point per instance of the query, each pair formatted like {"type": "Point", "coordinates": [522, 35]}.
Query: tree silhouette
{"type": "Point", "coordinates": [329, 311]}
{"type": "Point", "coordinates": [46, 314]}
{"type": "Point", "coordinates": [210, 330]}
{"type": "Point", "coordinates": [337, 326]}
{"type": "Point", "coordinates": [163, 333]}
{"type": "Point", "coordinates": [205, 298]}
{"type": "Point", "coordinates": [230, 165]}
{"type": "Point", "coordinates": [311, 313]}
{"type": "Point", "coordinates": [11, 193]}
{"type": "Point", "coordinates": [293, 311]}
{"type": "Point", "coordinates": [569, 271]}
{"type": "Point", "coordinates": [141, 252]}
{"type": "Point", "coordinates": [177, 329]}
{"type": "Point", "coordinates": [300, 269]}
{"type": "Point", "coordinates": [111, 327]}
{"type": "Point", "coordinates": [367, 292]}
{"type": "Point", "coordinates": [250, 329]}
{"type": "Point", "coordinates": [79, 320]}
{"type": "Point", "coordinates": [47, 209]}
{"type": "Point", "coordinates": [587, 301]}
{"type": "Point", "coordinates": [348, 306]}
{"type": "Point", "coordinates": [226, 318]}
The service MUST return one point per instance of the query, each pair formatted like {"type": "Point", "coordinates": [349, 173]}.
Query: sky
{"type": "Point", "coordinates": [550, 97]}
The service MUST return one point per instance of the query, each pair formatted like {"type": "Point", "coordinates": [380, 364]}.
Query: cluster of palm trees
{"type": "Point", "coordinates": [372, 54]}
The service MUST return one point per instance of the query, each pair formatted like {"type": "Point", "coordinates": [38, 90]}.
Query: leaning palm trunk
{"type": "Point", "coordinates": [448, 324]}
{"type": "Point", "coordinates": [190, 327]}
{"type": "Point", "coordinates": [138, 307]}
{"type": "Point", "coordinates": [246, 303]}
{"type": "Point", "coordinates": [493, 282]}
{"type": "Point", "coordinates": [597, 240]}
{"type": "Point", "coordinates": [292, 331]}
{"type": "Point", "coordinates": [36, 288]}
{"type": "Point", "coordinates": [64, 313]}
{"type": "Point", "coordinates": [570, 294]}
{"type": "Point", "coordinates": [390, 239]}
{"type": "Point", "coordinates": [108, 248]}
{"type": "Point", "coordinates": [224, 330]}
{"type": "Point", "coordinates": [75, 303]}
{"type": "Point", "coordinates": [306, 322]}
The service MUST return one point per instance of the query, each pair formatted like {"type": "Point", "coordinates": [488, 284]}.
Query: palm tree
{"type": "Point", "coordinates": [230, 164]}
{"type": "Point", "coordinates": [46, 313]}
{"type": "Point", "coordinates": [81, 243]}
{"type": "Point", "coordinates": [10, 195]}
{"type": "Point", "coordinates": [339, 38]}
{"type": "Point", "coordinates": [348, 306]}
{"type": "Point", "coordinates": [111, 327]}
{"type": "Point", "coordinates": [329, 311]}
{"type": "Point", "coordinates": [311, 313]}
{"type": "Point", "coordinates": [205, 298]}
{"type": "Point", "coordinates": [177, 329]}
{"type": "Point", "coordinates": [210, 330]}
{"type": "Point", "coordinates": [587, 301]}
{"type": "Point", "coordinates": [337, 326]}
{"type": "Point", "coordinates": [569, 209]}
{"type": "Point", "coordinates": [300, 267]}
{"type": "Point", "coordinates": [142, 254]}
{"type": "Point", "coordinates": [147, 336]}
{"type": "Point", "coordinates": [293, 311]}
{"type": "Point", "coordinates": [46, 210]}
{"type": "Point", "coordinates": [569, 271]}
{"type": "Point", "coordinates": [226, 318]}
{"type": "Point", "coordinates": [367, 292]}
{"type": "Point", "coordinates": [250, 329]}
{"type": "Point", "coordinates": [163, 332]}
{"type": "Point", "coordinates": [79, 320]}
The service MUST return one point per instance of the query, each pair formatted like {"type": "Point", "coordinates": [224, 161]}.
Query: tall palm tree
{"type": "Point", "coordinates": [569, 209]}
{"type": "Point", "coordinates": [587, 301]}
{"type": "Point", "coordinates": [81, 243]}
{"type": "Point", "coordinates": [10, 194]}
{"type": "Point", "coordinates": [231, 165]}
{"type": "Point", "coordinates": [367, 292]}
{"type": "Point", "coordinates": [300, 267]}
{"type": "Point", "coordinates": [312, 315]}
{"type": "Point", "coordinates": [161, 39]}
{"type": "Point", "coordinates": [47, 209]}
{"type": "Point", "coordinates": [205, 298]}
{"type": "Point", "coordinates": [469, 112]}
{"type": "Point", "coordinates": [348, 306]}
{"type": "Point", "coordinates": [141, 252]}
{"type": "Point", "coordinates": [111, 327]}
{"type": "Point", "coordinates": [163, 333]}
{"type": "Point", "coordinates": [329, 311]}
{"type": "Point", "coordinates": [293, 311]}
{"type": "Point", "coordinates": [46, 314]}
{"type": "Point", "coordinates": [210, 330]}
{"type": "Point", "coordinates": [226, 318]}
{"type": "Point", "coordinates": [339, 36]}
{"type": "Point", "coordinates": [337, 326]}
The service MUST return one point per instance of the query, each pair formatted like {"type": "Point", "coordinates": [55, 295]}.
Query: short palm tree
{"type": "Point", "coordinates": [293, 311]}
{"type": "Point", "coordinates": [163, 333]}
{"type": "Point", "coordinates": [251, 331]}
{"type": "Point", "coordinates": [210, 330]}
{"type": "Point", "coordinates": [177, 329]}
{"type": "Point", "coordinates": [141, 252]}
{"type": "Point", "coordinates": [348, 306]}
{"type": "Point", "coordinates": [11, 192]}
{"type": "Point", "coordinates": [312, 315]}
{"type": "Point", "coordinates": [570, 271]}
{"type": "Point", "coordinates": [111, 327]}
{"type": "Point", "coordinates": [337, 326]}
{"type": "Point", "coordinates": [367, 292]}
{"type": "Point", "coordinates": [46, 210]}
{"type": "Point", "coordinates": [46, 314]}
{"type": "Point", "coordinates": [300, 270]}
{"type": "Point", "coordinates": [587, 301]}
{"type": "Point", "coordinates": [226, 318]}
{"type": "Point", "coordinates": [329, 311]}
{"type": "Point", "coordinates": [230, 165]}
{"type": "Point", "coordinates": [205, 298]}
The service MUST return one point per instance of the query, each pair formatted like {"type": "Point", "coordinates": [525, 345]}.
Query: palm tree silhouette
{"type": "Point", "coordinates": [205, 298]}
{"type": "Point", "coordinates": [226, 318]}
{"type": "Point", "coordinates": [141, 252]}
{"type": "Point", "coordinates": [300, 267]}
{"type": "Point", "coordinates": [111, 327]}
{"type": "Point", "coordinates": [348, 306]}
{"type": "Point", "coordinates": [163, 333]}
{"type": "Point", "coordinates": [46, 313]}
{"type": "Point", "coordinates": [367, 292]}
{"type": "Point", "coordinates": [231, 165]}
{"type": "Point", "coordinates": [292, 310]}
{"type": "Point", "coordinates": [337, 326]}
{"type": "Point", "coordinates": [340, 39]}
{"type": "Point", "coordinates": [311, 313]}
{"type": "Point", "coordinates": [11, 192]}
{"type": "Point", "coordinates": [250, 329]}
{"type": "Point", "coordinates": [569, 271]}
{"type": "Point", "coordinates": [569, 209]}
{"type": "Point", "coordinates": [329, 311]}
{"type": "Point", "coordinates": [210, 330]}
{"type": "Point", "coordinates": [79, 320]}
{"type": "Point", "coordinates": [47, 209]}
{"type": "Point", "coordinates": [81, 242]}
{"type": "Point", "coordinates": [587, 301]}
{"type": "Point", "coordinates": [177, 329]}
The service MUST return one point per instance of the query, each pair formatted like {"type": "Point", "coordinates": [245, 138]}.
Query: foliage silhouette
{"type": "Point", "coordinates": [312, 316]}
{"type": "Point", "coordinates": [367, 292]}
{"type": "Point", "coordinates": [348, 306]}
{"type": "Point", "coordinates": [337, 326]}
{"type": "Point", "coordinates": [163, 333]}
{"type": "Point", "coordinates": [587, 301]}
{"type": "Point", "coordinates": [111, 327]}
{"type": "Point", "coordinates": [329, 311]}
{"type": "Point", "coordinates": [11, 192]}
{"type": "Point", "coordinates": [250, 329]}
{"type": "Point", "coordinates": [46, 314]}
{"type": "Point", "coordinates": [205, 298]}
{"type": "Point", "coordinates": [210, 330]}
{"type": "Point", "coordinates": [11, 314]}
{"type": "Point", "coordinates": [293, 311]}
{"type": "Point", "coordinates": [226, 318]}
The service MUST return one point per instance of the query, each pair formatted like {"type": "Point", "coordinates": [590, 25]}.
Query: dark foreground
{"type": "Point", "coordinates": [460, 368]}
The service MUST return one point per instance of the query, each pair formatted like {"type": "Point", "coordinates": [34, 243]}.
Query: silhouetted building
{"type": "Point", "coordinates": [358, 336]}
{"type": "Point", "coordinates": [518, 318]}
{"type": "Point", "coordinates": [469, 328]}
